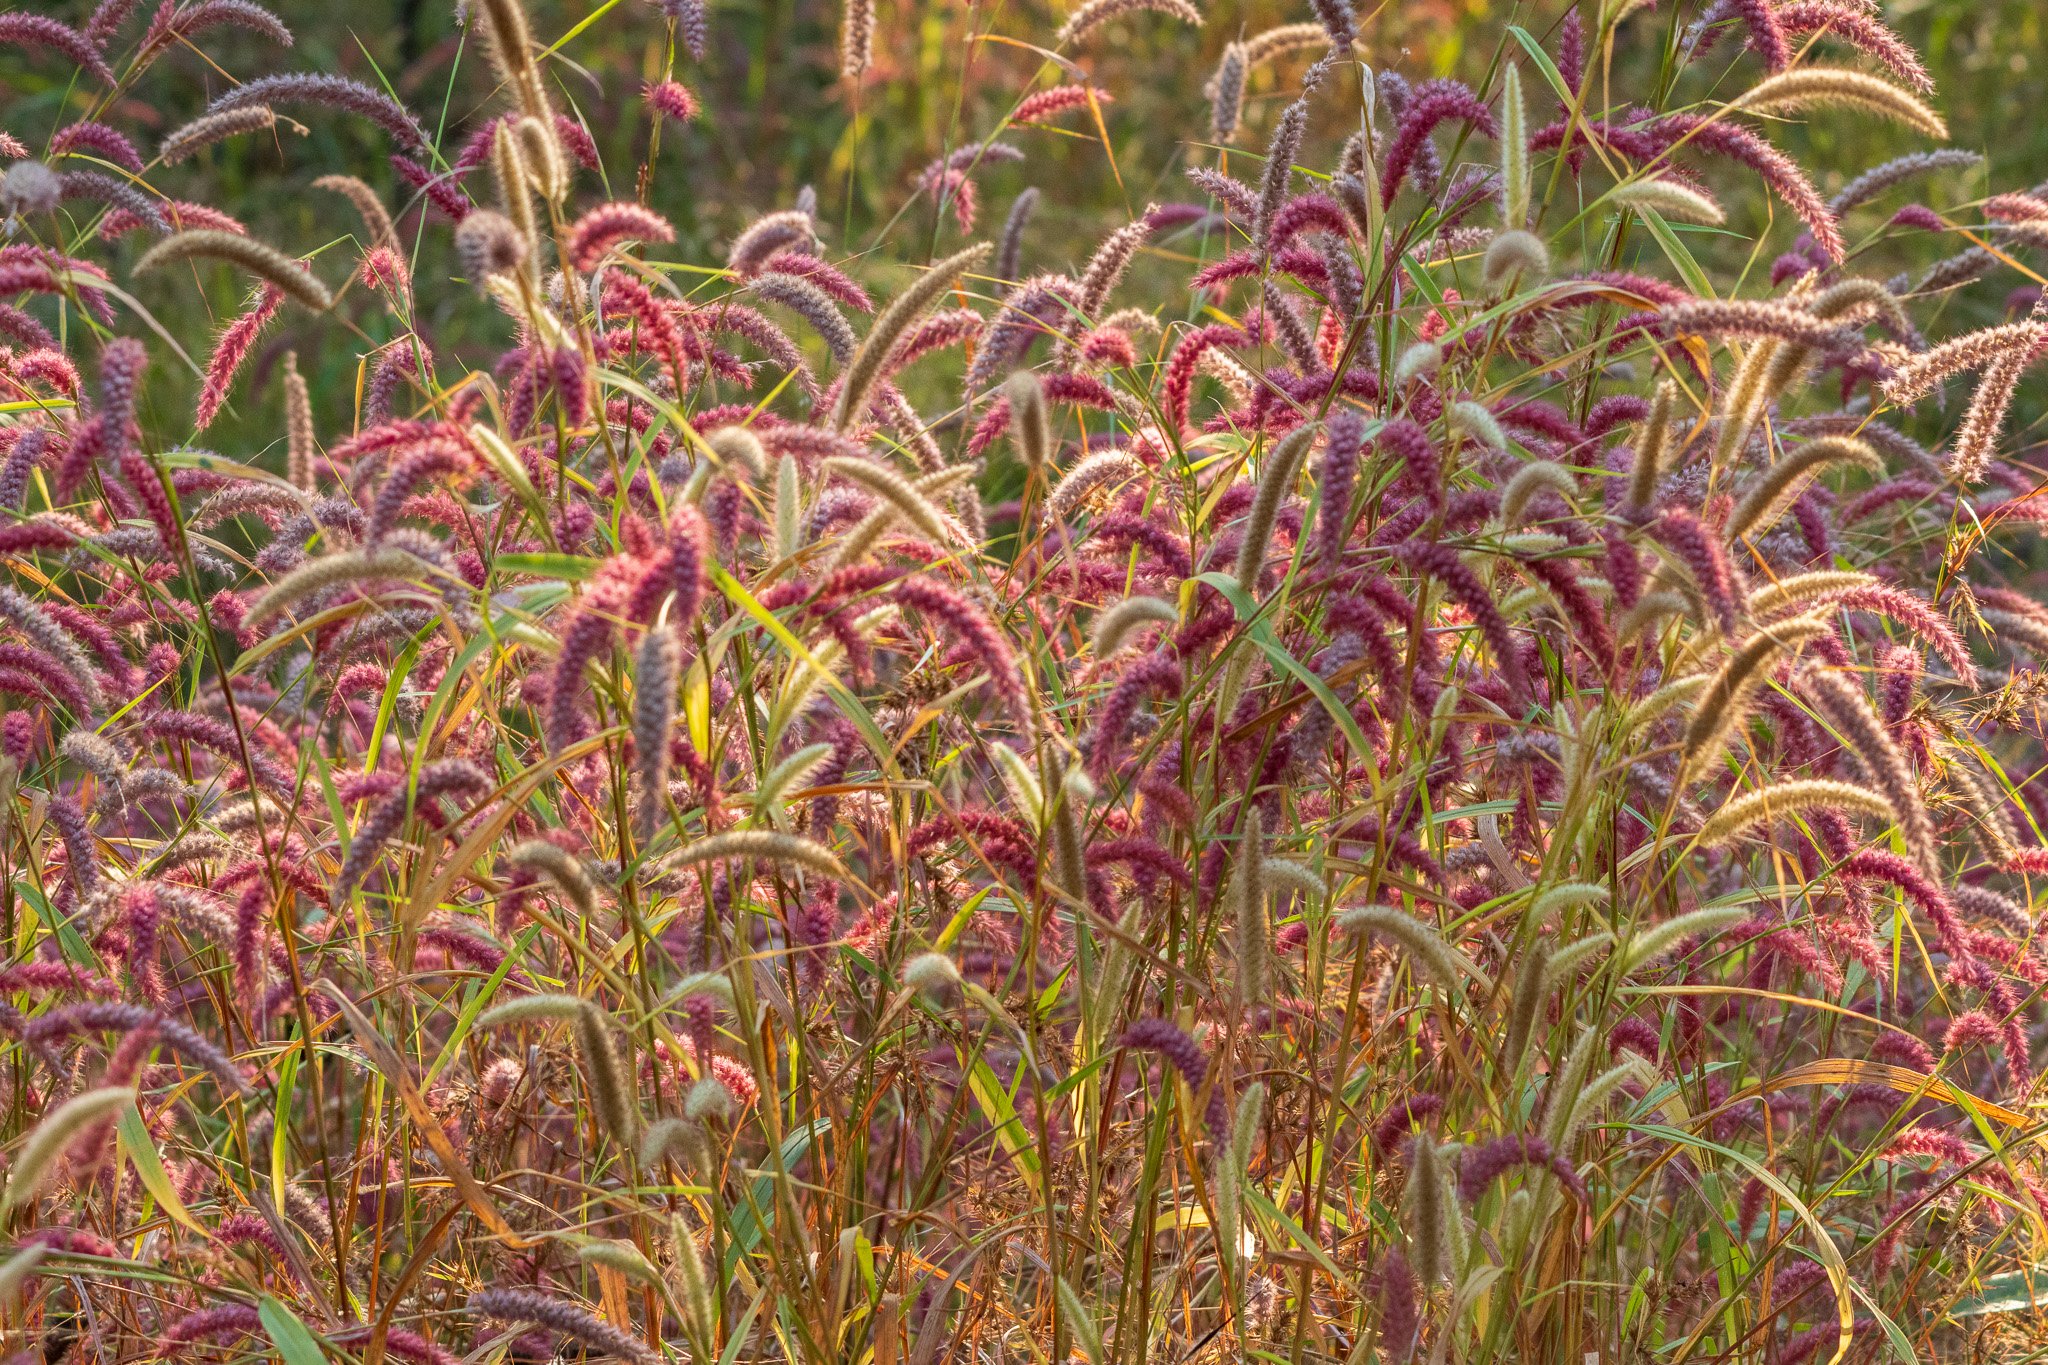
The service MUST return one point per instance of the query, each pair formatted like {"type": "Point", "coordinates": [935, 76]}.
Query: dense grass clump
{"type": "Point", "coordinates": [1415, 760]}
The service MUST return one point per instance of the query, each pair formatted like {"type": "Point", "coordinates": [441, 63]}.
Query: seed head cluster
{"type": "Point", "coordinates": [1367, 761]}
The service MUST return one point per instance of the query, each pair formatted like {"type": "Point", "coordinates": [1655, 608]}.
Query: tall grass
{"type": "Point", "coordinates": [1460, 782]}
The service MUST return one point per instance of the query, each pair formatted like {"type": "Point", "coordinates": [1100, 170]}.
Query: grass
{"type": "Point", "coordinates": [1324, 771]}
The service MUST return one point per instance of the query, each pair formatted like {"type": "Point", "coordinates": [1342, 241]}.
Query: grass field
{"type": "Point", "coordinates": [912, 684]}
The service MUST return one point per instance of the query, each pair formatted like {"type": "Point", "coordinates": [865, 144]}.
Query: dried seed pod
{"type": "Point", "coordinates": [1276, 481]}
{"type": "Point", "coordinates": [1766, 499]}
{"type": "Point", "coordinates": [1095, 13]}
{"type": "Point", "coordinates": [1010, 252]}
{"type": "Point", "coordinates": [1532, 980]}
{"type": "Point", "coordinates": [383, 233]}
{"type": "Point", "coordinates": [856, 38]}
{"type": "Point", "coordinates": [560, 867]}
{"type": "Point", "coordinates": [1726, 701]}
{"type": "Point", "coordinates": [1450, 968]}
{"type": "Point", "coordinates": [267, 263]}
{"type": "Point", "coordinates": [1429, 1211]}
{"type": "Point", "coordinates": [1783, 800]}
{"type": "Point", "coordinates": [515, 182]}
{"type": "Point", "coordinates": [300, 446]}
{"type": "Point", "coordinates": [1254, 933]}
{"type": "Point", "coordinates": [868, 362]}
{"type": "Point", "coordinates": [204, 131]}
{"type": "Point", "coordinates": [1650, 450]}
{"type": "Point", "coordinates": [34, 1164]}
{"type": "Point", "coordinates": [1814, 87]}
{"type": "Point", "coordinates": [1669, 198]}
{"type": "Point", "coordinates": [1115, 626]}
{"type": "Point", "coordinates": [1514, 150]}
{"type": "Point", "coordinates": [617, 1108]}
{"type": "Point", "coordinates": [655, 671]}
{"type": "Point", "coordinates": [545, 161]}
{"type": "Point", "coordinates": [488, 243]}
{"type": "Point", "coordinates": [1226, 92]}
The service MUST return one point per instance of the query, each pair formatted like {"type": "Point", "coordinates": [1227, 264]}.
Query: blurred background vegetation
{"type": "Point", "coordinates": [777, 116]}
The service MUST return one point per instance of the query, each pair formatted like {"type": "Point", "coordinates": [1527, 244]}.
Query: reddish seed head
{"type": "Point", "coordinates": [1185, 1055]}
{"type": "Point", "coordinates": [606, 226]}
{"type": "Point", "coordinates": [672, 99]}
{"type": "Point", "coordinates": [1042, 105]}
{"type": "Point", "coordinates": [1433, 103]}
{"type": "Point", "coordinates": [231, 350]}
